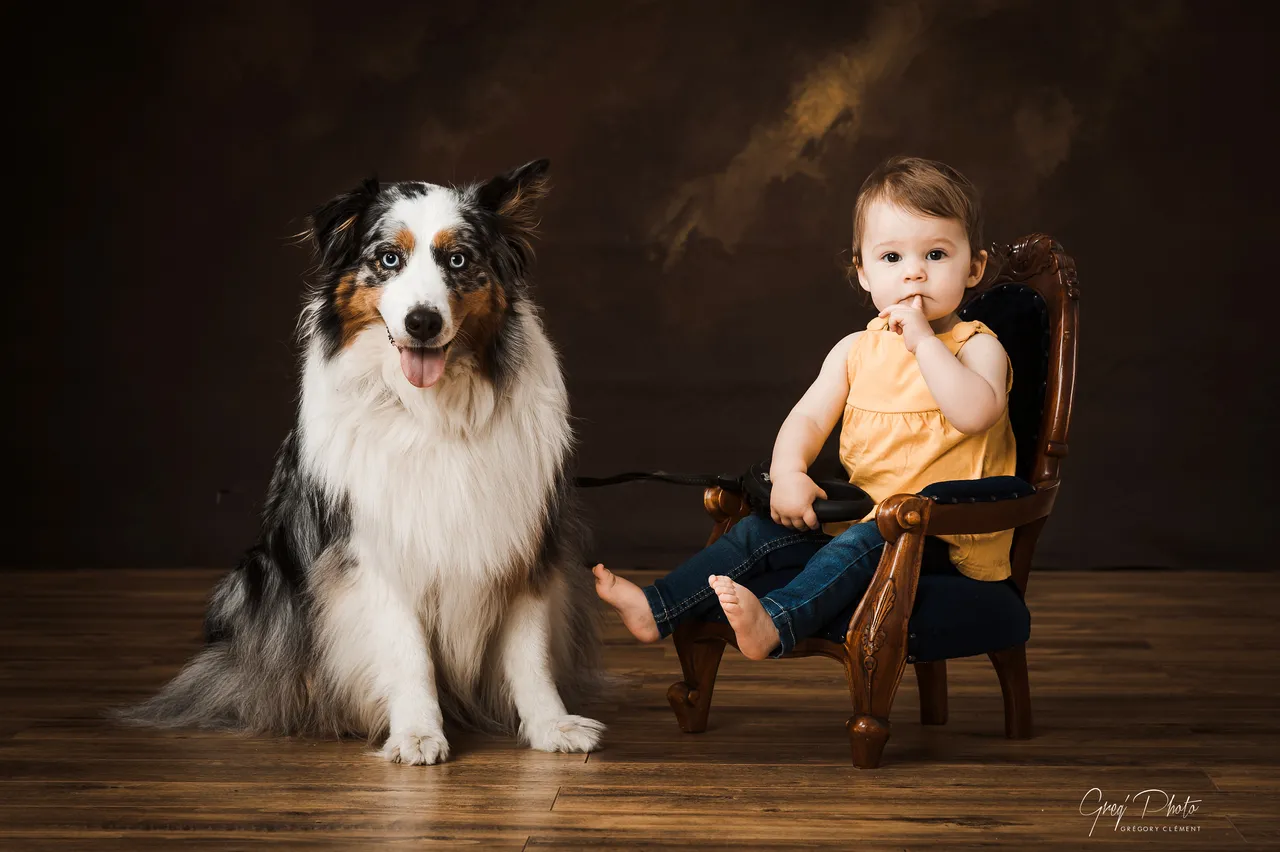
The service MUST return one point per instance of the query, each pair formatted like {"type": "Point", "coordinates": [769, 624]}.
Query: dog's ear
{"type": "Point", "coordinates": [514, 193]}
{"type": "Point", "coordinates": [513, 196]}
{"type": "Point", "coordinates": [334, 228]}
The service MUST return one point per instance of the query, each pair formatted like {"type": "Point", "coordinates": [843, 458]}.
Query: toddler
{"type": "Point", "coordinates": [920, 397]}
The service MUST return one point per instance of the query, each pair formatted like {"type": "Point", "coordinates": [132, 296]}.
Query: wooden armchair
{"type": "Point", "coordinates": [1032, 305]}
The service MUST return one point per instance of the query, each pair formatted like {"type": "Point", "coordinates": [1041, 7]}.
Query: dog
{"type": "Point", "coordinates": [421, 552]}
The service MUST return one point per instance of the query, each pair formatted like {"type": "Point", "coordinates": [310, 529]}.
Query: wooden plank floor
{"type": "Point", "coordinates": [1140, 680]}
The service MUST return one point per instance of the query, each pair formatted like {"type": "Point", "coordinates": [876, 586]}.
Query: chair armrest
{"type": "Point", "coordinates": [956, 507]}
{"type": "Point", "coordinates": [994, 515]}
{"type": "Point", "coordinates": [968, 507]}
{"type": "Point", "coordinates": [725, 507]}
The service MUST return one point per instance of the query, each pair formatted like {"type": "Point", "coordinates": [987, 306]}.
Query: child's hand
{"type": "Point", "coordinates": [791, 501]}
{"type": "Point", "coordinates": [908, 319]}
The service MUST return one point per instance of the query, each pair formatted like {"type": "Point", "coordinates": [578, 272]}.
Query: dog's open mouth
{"type": "Point", "coordinates": [423, 365]}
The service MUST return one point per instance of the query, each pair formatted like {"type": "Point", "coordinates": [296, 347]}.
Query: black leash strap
{"type": "Point", "coordinates": [704, 480]}
{"type": "Point", "coordinates": [844, 501]}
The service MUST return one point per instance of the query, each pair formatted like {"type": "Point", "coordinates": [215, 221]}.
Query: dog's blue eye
{"type": "Point", "coordinates": [389, 260]}
{"type": "Point", "coordinates": [457, 260]}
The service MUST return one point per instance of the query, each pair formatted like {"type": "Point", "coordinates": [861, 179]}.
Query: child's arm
{"type": "Point", "coordinates": [801, 438]}
{"type": "Point", "coordinates": [969, 390]}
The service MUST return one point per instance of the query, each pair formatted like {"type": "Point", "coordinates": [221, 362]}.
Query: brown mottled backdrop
{"type": "Point", "coordinates": [705, 157]}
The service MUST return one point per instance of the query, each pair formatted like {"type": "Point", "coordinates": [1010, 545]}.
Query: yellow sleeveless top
{"type": "Point", "coordinates": [895, 440]}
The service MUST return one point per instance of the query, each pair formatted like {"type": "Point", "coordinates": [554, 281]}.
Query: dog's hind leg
{"type": "Point", "coordinates": [526, 663]}
{"type": "Point", "coordinates": [376, 655]}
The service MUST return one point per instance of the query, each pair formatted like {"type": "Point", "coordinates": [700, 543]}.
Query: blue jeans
{"type": "Point", "coordinates": [836, 571]}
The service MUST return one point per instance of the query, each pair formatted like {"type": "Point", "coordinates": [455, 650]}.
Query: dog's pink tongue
{"type": "Point", "coordinates": [422, 367]}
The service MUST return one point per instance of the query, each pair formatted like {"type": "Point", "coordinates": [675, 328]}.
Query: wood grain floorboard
{"type": "Point", "coordinates": [1141, 680]}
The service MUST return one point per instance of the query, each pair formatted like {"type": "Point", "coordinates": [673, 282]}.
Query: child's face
{"type": "Point", "coordinates": [905, 254]}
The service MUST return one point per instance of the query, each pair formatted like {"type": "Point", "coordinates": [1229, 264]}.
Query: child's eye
{"type": "Point", "coordinates": [936, 254]}
{"type": "Point", "coordinates": [891, 256]}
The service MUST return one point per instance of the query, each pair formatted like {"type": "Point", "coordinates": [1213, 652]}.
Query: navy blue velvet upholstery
{"type": "Point", "coordinates": [987, 490]}
{"type": "Point", "coordinates": [1020, 318]}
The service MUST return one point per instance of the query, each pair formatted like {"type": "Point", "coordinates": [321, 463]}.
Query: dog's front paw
{"type": "Point", "coordinates": [564, 733]}
{"type": "Point", "coordinates": [416, 747]}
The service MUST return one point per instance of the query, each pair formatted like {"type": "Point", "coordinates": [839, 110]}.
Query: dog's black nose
{"type": "Point", "coordinates": [423, 323]}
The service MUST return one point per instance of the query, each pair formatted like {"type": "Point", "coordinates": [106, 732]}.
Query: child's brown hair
{"type": "Point", "coordinates": [922, 186]}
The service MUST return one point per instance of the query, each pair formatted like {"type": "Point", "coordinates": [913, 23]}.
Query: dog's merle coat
{"type": "Point", "coordinates": [420, 553]}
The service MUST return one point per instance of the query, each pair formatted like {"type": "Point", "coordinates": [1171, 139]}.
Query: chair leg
{"type": "Point", "coordinates": [867, 736]}
{"type": "Point", "coordinates": [1011, 667]}
{"type": "Point", "coordinates": [876, 644]}
{"type": "Point", "coordinates": [699, 660]}
{"type": "Point", "coordinates": [931, 678]}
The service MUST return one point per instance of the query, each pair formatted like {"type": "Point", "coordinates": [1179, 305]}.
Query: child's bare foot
{"type": "Point", "coordinates": [757, 635]}
{"type": "Point", "coordinates": [629, 600]}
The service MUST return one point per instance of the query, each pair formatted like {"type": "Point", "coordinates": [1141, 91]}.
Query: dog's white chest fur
{"type": "Point", "coordinates": [440, 482]}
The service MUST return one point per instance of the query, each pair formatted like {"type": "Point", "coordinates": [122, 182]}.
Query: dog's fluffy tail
{"type": "Point", "coordinates": [251, 674]}
{"type": "Point", "coordinates": [211, 691]}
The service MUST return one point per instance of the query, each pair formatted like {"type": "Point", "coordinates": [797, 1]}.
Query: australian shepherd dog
{"type": "Point", "coordinates": [421, 554]}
